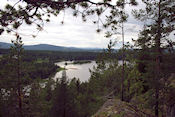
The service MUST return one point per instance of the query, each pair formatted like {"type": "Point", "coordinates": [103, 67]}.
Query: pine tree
{"type": "Point", "coordinates": [16, 52]}
{"type": "Point", "coordinates": [160, 15]}
{"type": "Point", "coordinates": [13, 16]}
{"type": "Point", "coordinates": [63, 104]}
{"type": "Point", "coordinates": [11, 80]}
{"type": "Point", "coordinates": [117, 20]}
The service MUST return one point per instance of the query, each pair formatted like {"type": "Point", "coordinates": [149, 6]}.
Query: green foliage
{"type": "Point", "coordinates": [20, 76]}
{"type": "Point", "coordinates": [12, 17]}
{"type": "Point", "coordinates": [63, 101]}
{"type": "Point", "coordinates": [81, 62]}
{"type": "Point", "coordinates": [12, 80]}
{"type": "Point", "coordinates": [47, 98]}
{"type": "Point", "coordinates": [37, 104]}
{"type": "Point", "coordinates": [154, 41]}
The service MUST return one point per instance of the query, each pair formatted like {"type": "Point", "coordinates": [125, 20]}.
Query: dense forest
{"type": "Point", "coordinates": [80, 99]}
{"type": "Point", "coordinates": [144, 81]}
{"type": "Point", "coordinates": [54, 56]}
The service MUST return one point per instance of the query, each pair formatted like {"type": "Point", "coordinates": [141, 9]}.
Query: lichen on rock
{"type": "Point", "coordinates": [117, 108]}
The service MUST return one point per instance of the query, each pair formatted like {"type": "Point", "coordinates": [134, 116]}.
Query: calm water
{"type": "Point", "coordinates": [80, 71]}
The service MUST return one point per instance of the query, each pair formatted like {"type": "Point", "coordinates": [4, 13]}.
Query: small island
{"type": "Point", "coordinates": [82, 62]}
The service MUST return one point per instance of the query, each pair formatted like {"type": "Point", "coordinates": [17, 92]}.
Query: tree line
{"type": "Point", "coordinates": [146, 79]}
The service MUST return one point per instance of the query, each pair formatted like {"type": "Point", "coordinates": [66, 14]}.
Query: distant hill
{"type": "Point", "coordinates": [5, 45]}
{"type": "Point", "coordinates": [50, 47]}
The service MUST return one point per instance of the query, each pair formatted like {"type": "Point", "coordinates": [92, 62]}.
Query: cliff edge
{"type": "Point", "coordinates": [117, 108]}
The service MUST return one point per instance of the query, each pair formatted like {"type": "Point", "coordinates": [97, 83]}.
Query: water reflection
{"type": "Point", "coordinates": [80, 71]}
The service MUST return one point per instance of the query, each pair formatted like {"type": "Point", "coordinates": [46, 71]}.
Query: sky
{"type": "Point", "coordinates": [74, 32]}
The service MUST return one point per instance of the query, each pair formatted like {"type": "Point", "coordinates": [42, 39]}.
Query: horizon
{"type": "Point", "coordinates": [74, 32]}
{"type": "Point", "coordinates": [55, 45]}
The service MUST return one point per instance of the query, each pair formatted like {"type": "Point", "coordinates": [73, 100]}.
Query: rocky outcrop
{"type": "Point", "coordinates": [117, 108]}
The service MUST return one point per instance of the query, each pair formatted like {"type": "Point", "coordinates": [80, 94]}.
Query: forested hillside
{"type": "Point", "coordinates": [47, 47]}
{"type": "Point", "coordinates": [138, 80]}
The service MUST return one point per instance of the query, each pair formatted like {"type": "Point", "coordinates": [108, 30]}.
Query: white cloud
{"type": "Point", "coordinates": [74, 32]}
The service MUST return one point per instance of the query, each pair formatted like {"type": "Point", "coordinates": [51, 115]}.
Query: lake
{"type": "Point", "coordinates": [80, 71]}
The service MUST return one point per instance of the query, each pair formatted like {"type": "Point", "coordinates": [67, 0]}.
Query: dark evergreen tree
{"type": "Point", "coordinates": [63, 104]}
{"type": "Point", "coordinates": [12, 17]}
{"type": "Point", "coordinates": [160, 14]}
{"type": "Point", "coordinates": [12, 80]}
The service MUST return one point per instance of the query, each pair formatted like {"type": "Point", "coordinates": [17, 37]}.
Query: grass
{"type": "Point", "coordinates": [39, 60]}
{"type": "Point", "coordinates": [60, 69]}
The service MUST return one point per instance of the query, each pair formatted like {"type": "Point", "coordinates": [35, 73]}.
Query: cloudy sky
{"type": "Point", "coordinates": [74, 32]}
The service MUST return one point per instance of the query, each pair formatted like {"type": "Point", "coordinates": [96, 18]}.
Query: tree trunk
{"type": "Point", "coordinates": [19, 87]}
{"type": "Point", "coordinates": [158, 57]}
{"type": "Point", "coordinates": [123, 66]}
